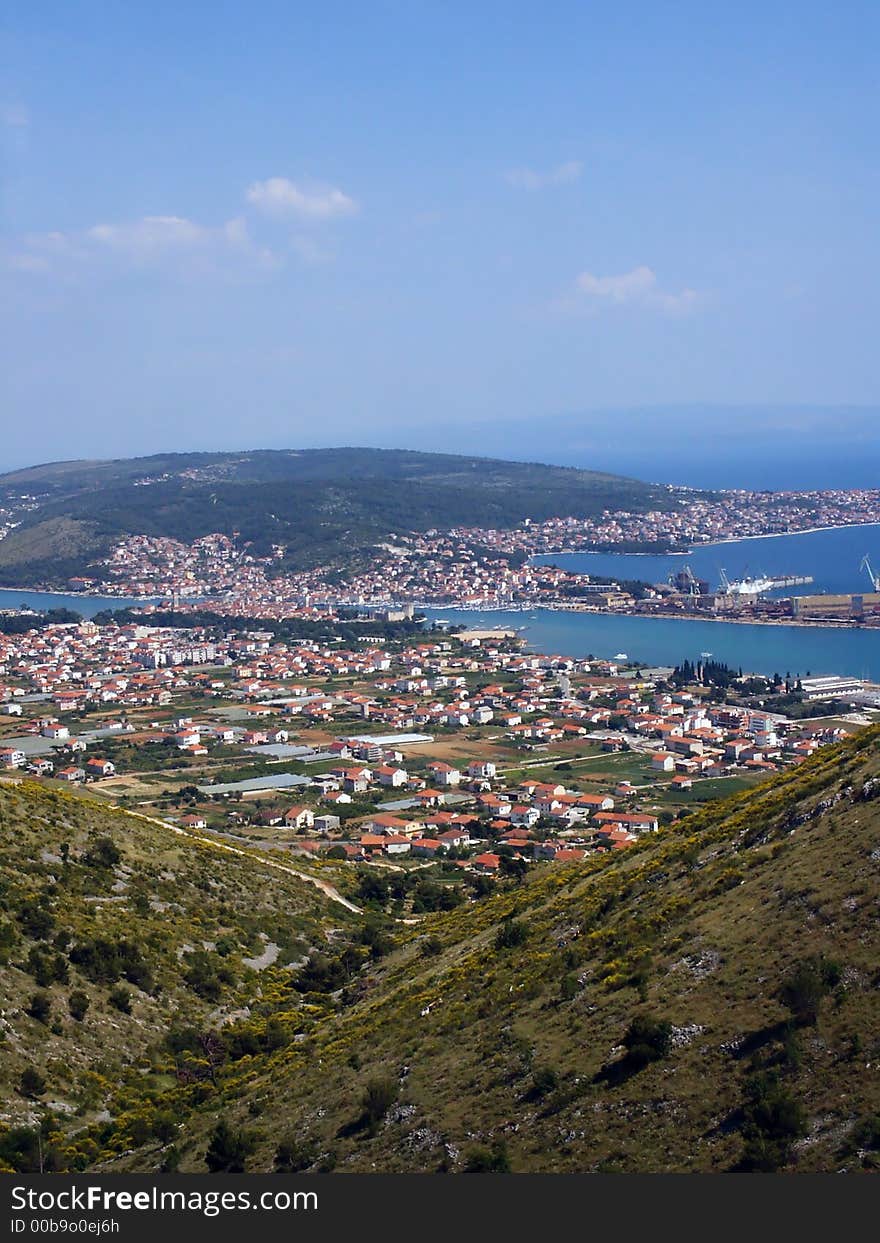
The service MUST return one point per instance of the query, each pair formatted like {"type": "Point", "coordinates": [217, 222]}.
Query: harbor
{"type": "Point", "coordinates": [839, 562]}
{"type": "Point", "coordinates": [756, 648]}
{"type": "Point", "coordinates": [836, 560]}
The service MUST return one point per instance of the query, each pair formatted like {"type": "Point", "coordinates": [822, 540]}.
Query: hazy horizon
{"type": "Point", "coordinates": [841, 451]}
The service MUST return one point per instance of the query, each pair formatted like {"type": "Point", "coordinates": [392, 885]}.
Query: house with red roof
{"type": "Point", "coordinates": [486, 862]}
{"type": "Point", "coordinates": [97, 768]}
{"type": "Point", "coordinates": [299, 817]}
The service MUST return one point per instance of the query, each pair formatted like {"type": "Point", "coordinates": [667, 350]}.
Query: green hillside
{"type": "Point", "coordinates": [113, 930]}
{"type": "Point", "coordinates": [324, 505]}
{"type": "Point", "coordinates": [496, 1036]}
{"type": "Point", "coordinates": [706, 1001]}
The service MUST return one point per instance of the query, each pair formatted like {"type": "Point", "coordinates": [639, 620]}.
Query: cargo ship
{"type": "Point", "coordinates": [749, 586]}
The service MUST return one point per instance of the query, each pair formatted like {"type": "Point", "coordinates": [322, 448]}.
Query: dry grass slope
{"type": "Point", "coordinates": [709, 1000]}
{"type": "Point", "coordinates": [121, 929]}
{"type": "Point", "coordinates": [491, 1051]}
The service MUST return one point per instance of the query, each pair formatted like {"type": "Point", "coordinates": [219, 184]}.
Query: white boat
{"type": "Point", "coordinates": [620, 656]}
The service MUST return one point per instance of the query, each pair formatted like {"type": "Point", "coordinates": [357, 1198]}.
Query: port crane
{"type": "Point", "coordinates": [875, 578]}
{"type": "Point", "coordinates": [686, 582]}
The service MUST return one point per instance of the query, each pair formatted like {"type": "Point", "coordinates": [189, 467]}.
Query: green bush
{"type": "Point", "coordinates": [207, 976]}
{"type": "Point", "coordinates": [544, 1081]}
{"type": "Point", "coordinates": [228, 1150]}
{"type": "Point", "coordinates": [492, 1160]}
{"type": "Point", "coordinates": [120, 999]}
{"type": "Point", "coordinates": [864, 1136]}
{"type": "Point", "coordinates": [378, 1097]}
{"type": "Point", "coordinates": [103, 962]}
{"type": "Point", "coordinates": [103, 854]}
{"type": "Point", "coordinates": [46, 966]}
{"type": "Point", "coordinates": [36, 921]}
{"type": "Point", "coordinates": [647, 1040]}
{"type": "Point", "coordinates": [772, 1121]}
{"type": "Point", "coordinates": [78, 1004]}
{"type": "Point", "coordinates": [806, 986]}
{"type": "Point", "coordinates": [511, 933]}
{"type": "Point", "coordinates": [32, 1084]}
{"type": "Point", "coordinates": [164, 1126]}
{"type": "Point", "coordinates": [40, 1006]}
{"type": "Point", "coordinates": [293, 1155]}
{"type": "Point", "coordinates": [568, 987]}
{"type": "Point", "coordinates": [30, 1150]}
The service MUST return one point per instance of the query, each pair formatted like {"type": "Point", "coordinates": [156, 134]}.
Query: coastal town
{"type": "Point", "coordinates": [482, 568]}
{"type": "Point", "coordinates": [464, 750]}
{"type": "Point", "coordinates": [315, 711]}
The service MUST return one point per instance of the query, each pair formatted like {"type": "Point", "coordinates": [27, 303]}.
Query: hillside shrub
{"type": "Point", "coordinates": [103, 962]}
{"type": "Point", "coordinates": [378, 1097]}
{"type": "Point", "coordinates": [78, 1004]}
{"type": "Point", "coordinates": [207, 976]}
{"type": "Point", "coordinates": [31, 1084]}
{"type": "Point", "coordinates": [46, 967]}
{"type": "Point", "coordinates": [492, 1160]}
{"type": "Point", "coordinates": [120, 999]}
{"type": "Point", "coordinates": [103, 854]}
{"type": "Point", "coordinates": [40, 1006]}
{"type": "Point", "coordinates": [647, 1040]}
{"type": "Point", "coordinates": [772, 1120]}
{"type": "Point", "coordinates": [511, 933]}
{"type": "Point", "coordinates": [292, 1156]}
{"type": "Point", "coordinates": [806, 986]}
{"type": "Point", "coordinates": [228, 1149]}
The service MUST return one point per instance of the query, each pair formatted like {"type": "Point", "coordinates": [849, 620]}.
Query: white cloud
{"type": "Point", "coordinates": [636, 288]}
{"type": "Point", "coordinates": [150, 241]}
{"type": "Point", "coordinates": [531, 179]}
{"type": "Point", "coordinates": [150, 235]}
{"type": "Point", "coordinates": [279, 197]}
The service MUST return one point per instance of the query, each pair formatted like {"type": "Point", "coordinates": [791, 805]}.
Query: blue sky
{"type": "Point", "coordinates": [458, 225]}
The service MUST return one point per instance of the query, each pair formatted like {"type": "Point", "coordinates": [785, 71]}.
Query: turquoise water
{"type": "Point", "coordinates": [665, 641]}
{"type": "Point", "coordinates": [832, 557]}
{"type": "Point", "coordinates": [86, 606]}
{"type": "Point", "coordinates": [668, 641]}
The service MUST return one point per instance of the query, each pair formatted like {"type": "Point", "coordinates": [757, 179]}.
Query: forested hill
{"type": "Point", "coordinates": [324, 505]}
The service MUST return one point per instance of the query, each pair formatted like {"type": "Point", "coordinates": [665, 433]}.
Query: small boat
{"type": "Point", "coordinates": [620, 656]}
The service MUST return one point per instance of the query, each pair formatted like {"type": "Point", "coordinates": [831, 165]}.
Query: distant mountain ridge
{"type": "Point", "coordinates": [327, 506]}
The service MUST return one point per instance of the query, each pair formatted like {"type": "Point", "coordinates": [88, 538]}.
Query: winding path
{"type": "Point", "coordinates": [327, 889]}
